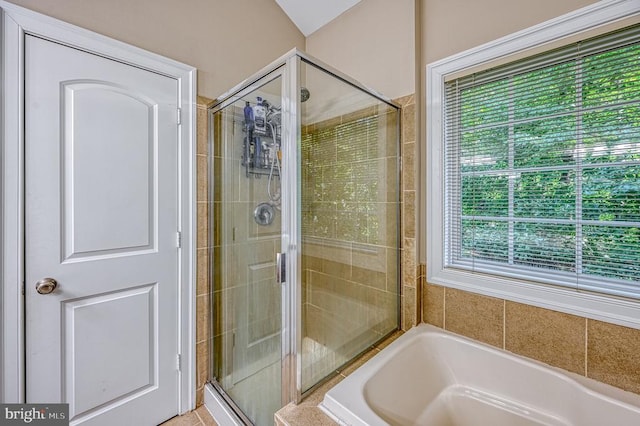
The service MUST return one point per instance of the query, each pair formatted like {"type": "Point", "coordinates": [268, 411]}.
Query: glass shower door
{"type": "Point", "coordinates": [349, 210]}
{"type": "Point", "coordinates": [305, 163]}
{"type": "Point", "coordinates": [247, 236]}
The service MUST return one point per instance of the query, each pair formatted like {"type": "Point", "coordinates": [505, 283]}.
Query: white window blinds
{"type": "Point", "coordinates": [542, 167]}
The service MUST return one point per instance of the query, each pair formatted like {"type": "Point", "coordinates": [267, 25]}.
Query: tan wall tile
{"type": "Point", "coordinates": [202, 318]}
{"type": "Point", "coordinates": [405, 100]}
{"type": "Point", "coordinates": [389, 135]}
{"type": "Point", "coordinates": [409, 262]}
{"type": "Point", "coordinates": [357, 115]}
{"type": "Point", "coordinates": [203, 101]}
{"type": "Point", "coordinates": [409, 214]}
{"type": "Point", "coordinates": [408, 166]}
{"type": "Point", "coordinates": [202, 233]}
{"type": "Point", "coordinates": [199, 396]}
{"type": "Point", "coordinates": [202, 363]}
{"type": "Point", "coordinates": [552, 337]}
{"type": "Point", "coordinates": [409, 123]}
{"type": "Point", "coordinates": [202, 177]}
{"type": "Point", "coordinates": [202, 241]}
{"type": "Point", "coordinates": [202, 272]}
{"type": "Point", "coordinates": [433, 305]}
{"type": "Point", "coordinates": [201, 131]}
{"type": "Point", "coordinates": [613, 355]}
{"type": "Point", "coordinates": [408, 307]}
{"type": "Point", "coordinates": [475, 316]}
{"type": "Point", "coordinates": [369, 278]}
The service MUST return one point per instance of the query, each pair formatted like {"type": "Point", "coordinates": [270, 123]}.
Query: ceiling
{"type": "Point", "coordinates": [311, 15]}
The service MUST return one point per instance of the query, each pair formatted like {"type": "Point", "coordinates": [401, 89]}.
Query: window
{"type": "Point", "coordinates": [533, 166]}
{"type": "Point", "coordinates": [543, 167]}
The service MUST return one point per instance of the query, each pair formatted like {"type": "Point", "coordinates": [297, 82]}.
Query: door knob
{"type": "Point", "coordinates": [46, 285]}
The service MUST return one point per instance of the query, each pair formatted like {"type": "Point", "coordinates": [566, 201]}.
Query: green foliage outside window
{"type": "Point", "coordinates": [549, 166]}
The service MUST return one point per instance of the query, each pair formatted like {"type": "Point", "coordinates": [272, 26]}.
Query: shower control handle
{"type": "Point", "coordinates": [281, 264]}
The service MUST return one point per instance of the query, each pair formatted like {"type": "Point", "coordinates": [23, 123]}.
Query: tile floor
{"type": "Point", "coordinates": [197, 417]}
{"type": "Point", "coordinates": [307, 412]}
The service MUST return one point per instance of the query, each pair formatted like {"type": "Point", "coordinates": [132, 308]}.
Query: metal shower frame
{"type": "Point", "coordinates": [288, 67]}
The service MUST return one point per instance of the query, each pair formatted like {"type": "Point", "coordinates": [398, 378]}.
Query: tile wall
{"type": "Point", "coordinates": [203, 250]}
{"type": "Point", "coordinates": [411, 312]}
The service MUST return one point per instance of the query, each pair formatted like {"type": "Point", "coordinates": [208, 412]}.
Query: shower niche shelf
{"type": "Point", "coordinates": [264, 164]}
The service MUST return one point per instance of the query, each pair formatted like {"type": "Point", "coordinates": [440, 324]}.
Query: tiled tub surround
{"type": "Point", "coordinates": [602, 351]}
{"type": "Point", "coordinates": [429, 376]}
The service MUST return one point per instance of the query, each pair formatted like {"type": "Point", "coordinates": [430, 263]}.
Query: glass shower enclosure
{"type": "Point", "coordinates": [305, 232]}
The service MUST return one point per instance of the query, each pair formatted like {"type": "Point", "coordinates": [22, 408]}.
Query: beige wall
{"type": "Point", "coordinates": [452, 26]}
{"type": "Point", "coordinates": [447, 27]}
{"type": "Point", "coordinates": [372, 42]}
{"type": "Point", "coordinates": [226, 40]}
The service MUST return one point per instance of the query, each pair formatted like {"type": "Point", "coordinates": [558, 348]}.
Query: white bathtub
{"type": "Point", "coordinates": [431, 377]}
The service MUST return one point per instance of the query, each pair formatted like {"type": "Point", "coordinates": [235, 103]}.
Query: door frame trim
{"type": "Point", "coordinates": [15, 23]}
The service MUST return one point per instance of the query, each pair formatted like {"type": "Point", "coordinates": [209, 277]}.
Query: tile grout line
{"type": "Point", "coordinates": [198, 416]}
{"type": "Point", "coordinates": [504, 324]}
{"type": "Point", "coordinates": [586, 347]}
{"type": "Point", "coordinates": [444, 308]}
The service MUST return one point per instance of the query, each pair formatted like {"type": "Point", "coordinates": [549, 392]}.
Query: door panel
{"type": "Point", "coordinates": [94, 151]}
{"type": "Point", "coordinates": [101, 216]}
{"type": "Point", "coordinates": [93, 327]}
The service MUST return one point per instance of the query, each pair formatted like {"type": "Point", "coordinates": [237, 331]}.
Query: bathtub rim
{"type": "Point", "coordinates": [333, 402]}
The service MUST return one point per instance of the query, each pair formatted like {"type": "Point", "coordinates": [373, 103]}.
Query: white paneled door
{"type": "Point", "coordinates": [101, 221]}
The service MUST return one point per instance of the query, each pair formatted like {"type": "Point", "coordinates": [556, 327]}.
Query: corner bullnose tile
{"type": "Point", "coordinates": [433, 305]}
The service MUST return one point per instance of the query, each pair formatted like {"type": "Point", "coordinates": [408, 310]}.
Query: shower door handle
{"type": "Point", "coordinates": [281, 265]}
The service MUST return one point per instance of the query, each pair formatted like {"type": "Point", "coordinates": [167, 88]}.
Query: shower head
{"type": "Point", "coordinates": [304, 94]}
